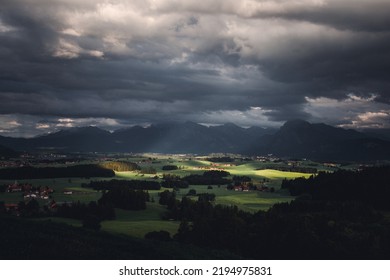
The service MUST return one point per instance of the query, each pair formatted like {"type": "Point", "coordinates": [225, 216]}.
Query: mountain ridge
{"type": "Point", "coordinates": [6, 152]}
{"type": "Point", "coordinates": [295, 138]}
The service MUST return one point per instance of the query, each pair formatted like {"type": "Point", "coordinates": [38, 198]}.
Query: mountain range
{"type": "Point", "coordinates": [295, 138]}
{"type": "Point", "coordinates": [7, 152]}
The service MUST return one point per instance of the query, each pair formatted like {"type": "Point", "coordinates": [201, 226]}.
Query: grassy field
{"type": "Point", "coordinates": [133, 223]}
{"type": "Point", "coordinates": [71, 222]}
{"type": "Point", "coordinates": [251, 201]}
{"type": "Point", "coordinates": [138, 223]}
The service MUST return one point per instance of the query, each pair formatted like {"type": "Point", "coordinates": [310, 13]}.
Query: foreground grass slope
{"type": "Point", "coordinates": [49, 240]}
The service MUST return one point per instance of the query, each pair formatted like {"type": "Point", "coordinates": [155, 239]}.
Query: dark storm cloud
{"type": "Point", "coordinates": [335, 64]}
{"type": "Point", "coordinates": [126, 62]}
{"type": "Point", "coordinates": [356, 15]}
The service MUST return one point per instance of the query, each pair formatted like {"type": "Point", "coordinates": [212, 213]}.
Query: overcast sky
{"type": "Point", "coordinates": [117, 63]}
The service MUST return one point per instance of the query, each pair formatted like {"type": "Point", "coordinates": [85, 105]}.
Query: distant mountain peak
{"type": "Point", "coordinates": [87, 128]}
{"type": "Point", "coordinates": [78, 130]}
{"type": "Point", "coordinates": [296, 123]}
{"type": "Point", "coordinates": [231, 125]}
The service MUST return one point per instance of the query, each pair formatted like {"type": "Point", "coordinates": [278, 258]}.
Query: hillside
{"type": "Point", "coordinates": [163, 138]}
{"type": "Point", "coordinates": [323, 142]}
{"type": "Point", "coordinates": [7, 152]}
{"type": "Point", "coordinates": [302, 139]}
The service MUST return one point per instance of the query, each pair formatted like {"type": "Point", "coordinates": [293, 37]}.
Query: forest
{"type": "Point", "coordinates": [213, 177]}
{"type": "Point", "coordinates": [80, 171]}
{"type": "Point", "coordinates": [296, 230]}
{"type": "Point", "coordinates": [369, 186]}
{"type": "Point", "coordinates": [120, 166]}
{"type": "Point", "coordinates": [334, 216]}
{"type": "Point", "coordinates": [130, 184]}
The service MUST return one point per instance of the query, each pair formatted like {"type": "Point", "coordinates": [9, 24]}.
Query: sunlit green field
{"type": "Point", "coordinates": [251, 201]}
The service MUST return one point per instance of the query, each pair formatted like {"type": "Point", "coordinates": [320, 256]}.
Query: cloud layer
{"type": "Point", "coordinates": [116, 63]}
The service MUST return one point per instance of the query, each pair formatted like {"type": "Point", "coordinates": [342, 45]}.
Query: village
{"type": "Point", "coordinates": [29, 192]}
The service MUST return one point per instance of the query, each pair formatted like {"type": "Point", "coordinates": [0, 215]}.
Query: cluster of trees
{"type": "Point", "coordinates": [216, 174]}
{"type": "Point", "coordinates": [182, 209]}
{"type": "Point", "coordinates": [120, 166]}
{"type": "Point", "coordinates": [125, 198]}
{"type": "Point", "coordinates": [130, 184]}
{"type": "Point", "coordinates": [80, 171]}
{"type": "Point", "coordinates": [241, 179]}
{"type": "Point", "coordinates": [169, 167]}
{"type": "Point", "coordinates": [81, 211]}
{"type": "Point", "coordinates": [3, 188]}
{"type": "Point", "coordinates": [370, 185]}
{"type": "Point", "coordinates": [206, 196]}
{"type": "Point", "coordinates": [167, 198]}
{"type": "Point", "coordinates": [174, 182]}
{"type": "Point", "coordinates": [202, 196]}
{"type": "Point", "coordinates": [29, 208]}
{"type": "Point", "coordinates": [90, 214]}
{"type": "Point", "coordinates": [191, 192]}
{"type": "Point", "coordinates": [220, 159]}
{"type": "Point", "coordinates": [212, 177]}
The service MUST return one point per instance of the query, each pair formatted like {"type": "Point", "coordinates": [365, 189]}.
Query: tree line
{"type": "Point", "coordinates": [212, 177]}
{"type": "Point", "coordinates": [90, 214]}
{"type": "Point", "coordinates": [173, 182]}
{"type": "Point", "coordinates": [125, 198]}
{"type": "Point", "coordinates": [120, 166]}
{"type": "Point", "coordinates": [130, 184]}
{"type": "Point", "coordinates": [169, 167]}
{"type": "Point", "coordinates": [220, 159]}
{"type": "Point", "coordinates": [79, 171]}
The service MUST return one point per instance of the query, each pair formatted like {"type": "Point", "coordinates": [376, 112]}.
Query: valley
{"type": "Point", "coordinates": [138, 223]}
{"type": "Point", "coordinates": [239, 204]}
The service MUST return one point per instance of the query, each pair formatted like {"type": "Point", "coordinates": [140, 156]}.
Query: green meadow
{"type": "Point", "coordinates": [138, 223]}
